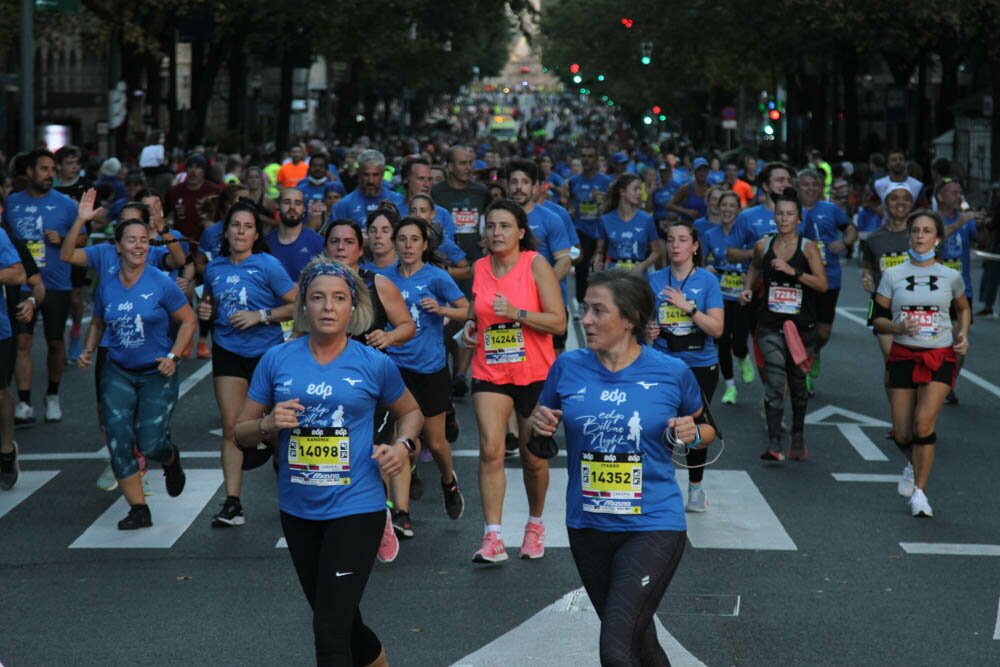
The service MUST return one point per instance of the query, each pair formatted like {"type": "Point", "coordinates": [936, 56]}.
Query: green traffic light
{"type": "Point", "coordinates": [662, 117]}
{"type": "Point", "coordinates": [600, 77]}
{"type": "Point", "coordinates": [578, 79]}
{"type": "Point", "coordinates": [646, 60]}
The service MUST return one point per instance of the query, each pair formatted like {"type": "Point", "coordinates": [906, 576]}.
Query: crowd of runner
{"type": "Point", "coordinates": [347, 299]}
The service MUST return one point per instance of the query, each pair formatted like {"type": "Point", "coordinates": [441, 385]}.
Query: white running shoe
{"type": "Point", "coordinates": [53, 413]}
{"type": "Point", "coordinates": [919, 506]}
{"type": "Point", "coordinates": [24, 413]}
{"type": "Point", "coordinates": [905, 486]}
{"type": "Point", "coordinates": [696, 500]}
{"type": "Point", "coordinates": [107, 481]}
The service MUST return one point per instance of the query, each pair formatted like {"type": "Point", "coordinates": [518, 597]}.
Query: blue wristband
{"type": "Point", "coordinates": [697, 438]}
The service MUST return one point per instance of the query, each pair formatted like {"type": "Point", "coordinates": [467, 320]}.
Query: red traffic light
{"type": "Point", "coordinates": [656, 110]}
{"type": "Point", "coordinates": [574, 68]}
{"type": "Point", "coordinates": [774, 114]}
{"type": "Point", "coordinates": [627, 22]}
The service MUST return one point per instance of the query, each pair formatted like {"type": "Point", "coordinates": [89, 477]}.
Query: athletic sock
{"type": "Point", "coordinates": [493, 528]}
{"type": "Point", "coordinates": [537, 520]}
{"type": "Point", "coordinates": [730, 383]}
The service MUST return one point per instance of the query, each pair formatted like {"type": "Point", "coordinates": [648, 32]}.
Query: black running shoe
{"type": "Point", "coordinates": [416, 484]}
{"type": "Point", "coordinates": [9, 470]}
{"type": "Point", "coordinates": [454, 501]}
{"type": "Point", "coordinates": [951, 398]}
{"type": "Point", "coordinates": [138, 517]}
{"type": "Point", "coordinates": [174, 474]}
{"type": "Point", "coordinates": [231, 514]}
{"type": "Point", "coordinates": [459, 387]}
{"type": "Point", "coordinates": [511, 446]}
{"type": "Point", "coordinates": [451, 426]}
{"type": "Point", "coordinates": [402, 524]}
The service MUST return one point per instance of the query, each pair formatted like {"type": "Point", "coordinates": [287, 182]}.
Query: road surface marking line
{"type": "Point", "coordinates": [193, 379]}
{"type": "Point", "coordinates": [819, 417]}
{"type": "Point", "coordinates": [738, 516]}
{"type": "Point", "coordinates": [946, 549]}
{"type": "Point", "coordinates": [28, 482]}
{"type": "Point", "coordinates": [862, 444]}
{"type": "Point", "coordinates": [171, 516]}
{"type": "Point", "coordinates": [566, 633]}
{"type": "Point", "coordinates": [282, 544]}
{"type": "Point", "coordinates": [996, 628]}
{"type": "Point", "coordinates": [967, 374]}
{"type": "Point", "coordinates": [864, 477]}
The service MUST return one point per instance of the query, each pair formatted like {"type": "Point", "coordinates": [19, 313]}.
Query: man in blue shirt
{"type": "Point", "coordinates": [315, 186]}
{"type": "Point", "coordinates": [586, 190]}
{"type": "Point", "coordinates": [11, 273]}
{"type": "Point", "coordinates": [757, 221]}
{"type": "Point", "coordinates": [371, 190]}
{"type": "Point", "coordinates": [291, 243]}
{"type": "Point", "coordinates": [40, 217]}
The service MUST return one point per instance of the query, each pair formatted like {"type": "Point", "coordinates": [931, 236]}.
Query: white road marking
{"type": "Point", "coordinates": [171, 516]}
{"type": "Point", "coordinates": [849, 423]}
{"type": "Point", "coordinates": [738, 516]}
{"type": "Point", "coordinates": [967, 374]}
{"type": "Point", "coordinates": [282, 544]}
{"type": "Point", "coordinates": [515, 509]}
{"type": "Point", "coordinates": [28, 482]}
{"type": "Point", "coordinates": [190, 381]}
{"type": "Point", "coordinates": [946, 549]}
{"type": "Point", "coordinates": [864, 477]}
{"type": "Point", "coordinates": [564, 634]}
{"type": "Point", "coordinates": [996, 628]}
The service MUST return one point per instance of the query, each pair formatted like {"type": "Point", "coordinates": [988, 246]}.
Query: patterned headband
{"type": "Point", "coordinates": [329, 269]}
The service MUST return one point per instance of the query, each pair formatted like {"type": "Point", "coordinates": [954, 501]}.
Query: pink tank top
{"type": "Point", "coordinates": [508, 352]}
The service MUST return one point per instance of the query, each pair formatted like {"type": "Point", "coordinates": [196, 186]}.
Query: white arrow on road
{"type": "Point", "coordinates": [565, 633]}
{"type": "Point", "coordinates": [849, 423]}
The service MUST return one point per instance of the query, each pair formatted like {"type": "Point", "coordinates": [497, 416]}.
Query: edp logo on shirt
{"type": "Point", "coordinates": [616, 396]}
{"type": "Point", "coordinates": [322, 390]}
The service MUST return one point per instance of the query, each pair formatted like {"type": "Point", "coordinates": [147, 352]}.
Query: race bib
{"type": "Point", "coordinates": [731, 284]}
{"type": "Point", "coordinates": [611, 483]}
{"type": "Point", "coordinates": [675, 320]}
{"type": "Point", "coordinates": [588, 209]}
{"type": "Point", "coordinates": [286, 329]}
{"type": "Point", "coordinates": [466, 220]}
{"type": "Point", "coordinates": [37, 250]}
{"type": "Point", "coordinates": [953, 264]}
{"type": "Point", "coordinates": [504, 343]}
{"type": "Point", "coordinates": [927, 319]}
{"type": "Point", "coordinates": [822, 250]}
{"type": "Point", "coordinates": [886, 262]}
{"type": "Point", "coordinates": [625, 264]}
{"type": "Point", "coordinates": [784, 299]}
{"type": "Point", "coordinates": [320, 456]}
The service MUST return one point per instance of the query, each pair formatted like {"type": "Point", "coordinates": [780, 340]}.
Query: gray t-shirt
{"type": "Point", "coordinates": [923, 293]}
{"type": "Point", "coordinates": [884, 249]}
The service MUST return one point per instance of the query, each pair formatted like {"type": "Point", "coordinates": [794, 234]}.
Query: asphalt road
{"type": "Point", "coordinates": [792, 564]}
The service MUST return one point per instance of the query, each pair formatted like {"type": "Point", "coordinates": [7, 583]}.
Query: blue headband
{"type": "Point", "coordinates": [329, 269]}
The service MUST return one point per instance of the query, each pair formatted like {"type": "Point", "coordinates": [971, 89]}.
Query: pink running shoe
{"type": "Point", "coordinates": [388, 548]}
{"type": "Point", "coordinates": [532, 546]}
{"type": "Point", "coordinates": [492, 551]}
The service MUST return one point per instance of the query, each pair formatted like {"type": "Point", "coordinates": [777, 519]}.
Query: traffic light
{"type": "Point", "coordinates": [656, 110]}
{"type": "Point", "coordinates": [774, 114]}
{"type": "Point", "coordinates": [647, 52]}
{"type": "Point", "coordinates": [627, 22]}
{"type": "Point", "coordinates": [647, 120]}
{"type": "Point", "coordinates": [574, 68]}
{"type": "Point", "coordinates": [600, 77]}
{"type": "Point", "coordinates": [578, 79]}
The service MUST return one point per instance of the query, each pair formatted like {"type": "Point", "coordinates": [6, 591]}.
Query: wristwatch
{"type": "Point", "coordinates": [521, 314]}
{"type": "Point", "coordinates": [694, 309]}
{"type": "Point", "coordinates": [173, 357]}
{"type": "Point", "coordinates": [409, 444]}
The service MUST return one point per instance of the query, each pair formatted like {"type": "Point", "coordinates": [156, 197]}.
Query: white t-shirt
{"type": "Point", "coordinates": [924, 294]}
{"type": "Point", "coordinates": [152, 156]}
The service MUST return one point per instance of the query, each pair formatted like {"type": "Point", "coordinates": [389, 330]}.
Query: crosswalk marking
{"type": "Point", "coordinates": [564, 634]}
{"type": "Point", "coordinates": [28, 482]}
{"type": "Point", "coordinates": [864, 477]}
{"type": "Point", "coordinates": [171, 516]}
{"type": "Point", "coordinates": [515, 508]}
{"type": "Point", "coordinates": [738, 516]}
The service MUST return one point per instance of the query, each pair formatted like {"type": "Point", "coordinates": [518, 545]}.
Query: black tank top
{"type": "Point", "coordinates": [785, 297]}
{"type": "Point", "coordinates": [380, 321]}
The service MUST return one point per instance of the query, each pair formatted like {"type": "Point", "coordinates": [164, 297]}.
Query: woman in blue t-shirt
{"type": "Point", "coordinates": [316, 396]}
{"type": "Point", "coordinates": [248, 292]}
{"type": "Point", "coordinates": [688, 317]}
{"type": "Point", "coordinates": [627, 236]}
{"type": "Point", "coordinates": [618, 400]}
{"type": "Point", "coordinates": [431, 295]}
{"type": "Point", "coordinates": [139, 383]}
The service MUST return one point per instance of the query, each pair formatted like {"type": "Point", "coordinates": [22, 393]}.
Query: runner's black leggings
{"type": "Point", "coordinates": [626, 575]}
{"type": "Point", "coordinates": [708, 380]}
{"type": "Point", "coordinates": [333, 560]}
{"type": "Point", "coordinates": [733, 341]}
